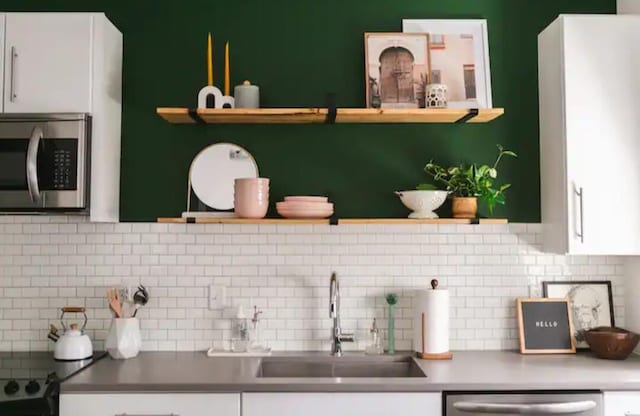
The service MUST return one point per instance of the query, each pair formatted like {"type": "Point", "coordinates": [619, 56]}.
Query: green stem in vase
{"type": "Point", "coordinates": [392, 299]}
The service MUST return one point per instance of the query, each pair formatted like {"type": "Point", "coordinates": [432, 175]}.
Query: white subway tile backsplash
{"type": "Point", "coordinates": [49, 262]}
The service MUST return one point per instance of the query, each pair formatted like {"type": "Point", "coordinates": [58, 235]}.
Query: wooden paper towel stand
{"type": "Point", "coordinates": [426, 356]}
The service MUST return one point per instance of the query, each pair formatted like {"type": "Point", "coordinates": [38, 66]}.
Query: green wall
{"type": "Point", "coordinates": [297, 51]}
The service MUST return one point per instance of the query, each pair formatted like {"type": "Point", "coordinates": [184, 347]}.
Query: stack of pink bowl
{"type": "Point", "coordinates": [305, 207]}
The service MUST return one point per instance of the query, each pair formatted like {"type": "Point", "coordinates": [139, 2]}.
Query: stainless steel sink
{"type": "Point", "coordinates": [354, 366]}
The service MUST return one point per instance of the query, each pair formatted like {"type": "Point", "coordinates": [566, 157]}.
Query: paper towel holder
{"type": "Point", "coordinates": [429, 356]}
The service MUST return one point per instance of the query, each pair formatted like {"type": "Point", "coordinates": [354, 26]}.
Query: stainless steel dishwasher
{"type": "Point", "coordinates": [524, 403]}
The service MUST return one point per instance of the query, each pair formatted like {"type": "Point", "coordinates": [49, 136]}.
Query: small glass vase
{"type": "Point", "coordinates": [391, 330]}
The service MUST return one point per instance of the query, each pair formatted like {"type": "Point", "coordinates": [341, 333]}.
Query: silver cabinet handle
{"type": "Point", "coordinates": [631, 414]}
{"type": "Point", "coordinates": [32, 164]}
{"type": "Point", "coordinates": [526, 409]}
{"type": "Point", "coordinates": [580, 193]}
{"type": "Point", "coordinates": [12, 80]}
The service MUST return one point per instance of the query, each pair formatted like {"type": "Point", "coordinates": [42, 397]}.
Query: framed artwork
{"type": "Point", "coordinates": [397, 69]}
{"type": "Point", "coordinates": [544, 326]}
{"type": "Point", "coordinates": [591, 304]}
{"type": "Point", "coordinates": [459, 51]}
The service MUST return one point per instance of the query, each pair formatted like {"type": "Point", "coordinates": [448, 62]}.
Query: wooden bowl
{"type": "Point", "coordinates": [611, 343]}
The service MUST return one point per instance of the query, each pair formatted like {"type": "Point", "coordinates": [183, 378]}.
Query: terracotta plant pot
{"type": "Point", "coordinates": [464, 207]}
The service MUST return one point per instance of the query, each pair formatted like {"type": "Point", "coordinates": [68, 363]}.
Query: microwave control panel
{"type": "Point", "coordinates": [58, 165]}
{"type": "Point", "coordinates": [62, 169]}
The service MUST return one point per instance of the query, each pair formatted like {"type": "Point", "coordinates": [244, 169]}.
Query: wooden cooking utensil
{"type": "Point", "coordinates": [113, 297]}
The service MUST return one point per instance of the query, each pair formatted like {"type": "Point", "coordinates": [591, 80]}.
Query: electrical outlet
{"type": "Point", "coordinates": [217, 297]}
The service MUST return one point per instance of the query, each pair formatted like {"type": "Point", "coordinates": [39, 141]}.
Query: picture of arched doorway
{"type": "Point", "coordinates": [397, 68]}
{"type": "Point", "coordinates": [396, 75]}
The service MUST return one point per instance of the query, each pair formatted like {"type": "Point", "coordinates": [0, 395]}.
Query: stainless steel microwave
{"type": "Point", "coordinates": [44, 162]}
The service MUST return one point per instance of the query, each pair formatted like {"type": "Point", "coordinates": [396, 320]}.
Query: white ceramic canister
{"type": "Point", "coordinates": [247, 95]}
{"type": "Point", "coordinates": [124, 339]}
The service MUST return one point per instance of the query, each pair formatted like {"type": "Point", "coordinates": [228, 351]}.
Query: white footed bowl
{"type": "Point", "coordinates": [422, 203]}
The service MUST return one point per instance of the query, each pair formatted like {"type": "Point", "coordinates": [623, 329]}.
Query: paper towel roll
{"type": "Point", "coordinates": [435, 306]}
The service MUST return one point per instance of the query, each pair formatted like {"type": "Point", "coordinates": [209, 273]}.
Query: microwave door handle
{"type": "Point", "coordinates": [32, 164]}
{"type": "Point", "coordinates": [526, 409]}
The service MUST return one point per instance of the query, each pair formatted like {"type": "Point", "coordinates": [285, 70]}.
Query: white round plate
{"type": "Point", "coordinates": [214, 171]}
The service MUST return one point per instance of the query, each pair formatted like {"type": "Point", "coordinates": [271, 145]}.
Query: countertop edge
{"type": "Point", "coordinates": [338, 388]}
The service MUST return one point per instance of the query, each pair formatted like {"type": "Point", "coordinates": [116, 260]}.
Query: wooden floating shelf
{"type": "Point", "coordinates": [322, 115]}
{"type": "Point", "coordinates": [241, 221]}
{"type": "Point", "coordinates": [422, 221]}
{"type": "Point", "coordinates": [345, 221]}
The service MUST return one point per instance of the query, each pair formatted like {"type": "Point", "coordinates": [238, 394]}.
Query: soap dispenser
{"type": "Point", "coordinates": [375, 344]}
{"type": "Point", "coordinates": [241, 326]}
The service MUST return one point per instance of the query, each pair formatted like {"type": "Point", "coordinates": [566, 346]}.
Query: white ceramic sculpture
{"type": "Point", "coordinates": [436, 96]}
{"type": "Point", "coordinates": [220, 100]}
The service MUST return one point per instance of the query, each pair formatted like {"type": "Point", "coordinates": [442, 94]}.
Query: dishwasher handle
{"type": "Point", "coordinates": [564, 408]}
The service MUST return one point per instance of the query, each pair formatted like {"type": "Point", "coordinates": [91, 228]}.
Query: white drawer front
{"type": "Point", "coordinates": [150, 404]}
{"type": "Point", "coordinates": [341, 404]}
{"type": "Point", "coordinates": [623, 403]}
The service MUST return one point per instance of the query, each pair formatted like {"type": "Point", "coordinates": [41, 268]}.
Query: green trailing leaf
{"type": "Point", "coordinates": [471, 180]}
{"type": "Point", "coordinates": [426, 187]}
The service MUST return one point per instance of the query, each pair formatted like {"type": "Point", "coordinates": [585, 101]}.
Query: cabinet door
{"type": "Point", "coordinates": [622, 403]}
{"type": "Point", "coordinates": [341, 404]}
{"type": "Point", "coordinates": [150, 404]}
{"type": "Point", "coordinates": [47, 62]}
{"type": "Point", "coordinates": [2, 32]}
{"type": "Point", "coordinates": [602, 89]}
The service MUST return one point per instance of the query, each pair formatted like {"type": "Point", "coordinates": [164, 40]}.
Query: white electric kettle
{"type": "Point", "coordinates": [74, 344]}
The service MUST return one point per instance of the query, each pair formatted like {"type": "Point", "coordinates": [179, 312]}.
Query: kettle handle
{"type": "Point", "coordinates": [77, 309]}
{"type": "Point", "coordinates": [74, 309]}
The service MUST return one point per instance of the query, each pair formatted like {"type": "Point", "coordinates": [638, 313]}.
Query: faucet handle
{"type": "Point", "coordinates": [256, 314]}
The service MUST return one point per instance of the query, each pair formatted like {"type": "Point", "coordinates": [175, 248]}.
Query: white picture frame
{"type": "Point", "coordinates": [591, 304]}
{"type": "Point", "coordinates": [477, 28]}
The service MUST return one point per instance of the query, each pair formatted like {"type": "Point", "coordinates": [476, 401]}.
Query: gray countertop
{"type": "Point", "coordinates": [469, 370]}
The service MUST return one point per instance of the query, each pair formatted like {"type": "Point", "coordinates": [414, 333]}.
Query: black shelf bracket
{"type": "Point", "coordinates": [473, 112]}
{"type": "Point", "coordinates": [193, 113]}
{"type": "Point", "coordinates": [332, 109]}
{"type": "Point", "coordinates": [333, 220]}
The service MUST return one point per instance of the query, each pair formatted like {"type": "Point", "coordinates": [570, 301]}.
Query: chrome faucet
{"type": "Point", "coordinates": [337, 337]}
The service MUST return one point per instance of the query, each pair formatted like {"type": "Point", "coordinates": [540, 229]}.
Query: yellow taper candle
{"type": "Point", "coordinates": [227, 81]}
{"type": "Point", "coordinates": [209, 61]}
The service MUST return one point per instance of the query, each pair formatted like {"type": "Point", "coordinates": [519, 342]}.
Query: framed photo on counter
{"type": "Point", "coordinates": [591, 304]}
{"type": "Point", "coordinates": [545, 326]}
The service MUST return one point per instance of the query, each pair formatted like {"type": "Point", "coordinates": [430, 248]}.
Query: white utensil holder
{"type": "Point", "coordinates": [124, 339]}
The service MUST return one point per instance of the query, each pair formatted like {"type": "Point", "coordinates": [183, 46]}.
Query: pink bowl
{"type": "Point", "coordinates": [252, 181]}
{"type": "Point", "coordinates": [306, 214]}
{"type": "Point", "coordinates": [306, 198]}
{"type": "Point", "coordinates": [302, 205]}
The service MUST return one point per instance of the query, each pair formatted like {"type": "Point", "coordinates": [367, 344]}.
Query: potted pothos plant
{"type": "Point", "coordinates": [467, 183]}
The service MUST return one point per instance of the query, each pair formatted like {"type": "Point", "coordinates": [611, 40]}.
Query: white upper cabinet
{"type": "Point", "coordinates": [47, 62]}
{"type": "Point", "coordinates": [628, 6]}
{"type": "Point", "coordinates": [589, 78]}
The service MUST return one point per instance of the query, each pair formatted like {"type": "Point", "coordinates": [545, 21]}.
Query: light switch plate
{"type": "Point", "coordinates": [217, 297]}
